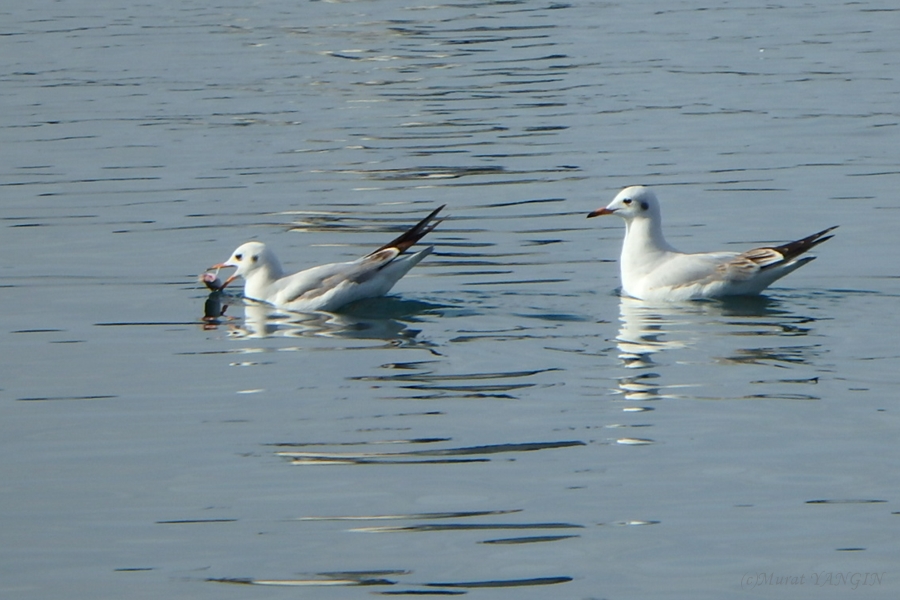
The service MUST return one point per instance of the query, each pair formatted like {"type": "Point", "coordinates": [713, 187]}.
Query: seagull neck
{"type": "Point", "coordinates": [262, 277]}
{"type": "Point", "coordinates": [273, 270]}
{"type": "Point", "coordinates": [644, 237]}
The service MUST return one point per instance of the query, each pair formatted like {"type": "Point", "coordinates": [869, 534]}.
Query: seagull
{"type": "Point", "coordinates": [326, 287]}
{"type": "Point", "coordinates": [651, 269]}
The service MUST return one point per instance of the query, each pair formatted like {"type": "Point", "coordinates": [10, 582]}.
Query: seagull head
{"type": "Point", "coordinates": [633, 202]}
{"type": "Point", "coordinates": [247, 259]}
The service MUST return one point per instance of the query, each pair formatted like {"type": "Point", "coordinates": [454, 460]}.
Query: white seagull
{"type": "Point", "coordinates": [651, 269]}
{"type": "Point", "coordinates": [326, 287]}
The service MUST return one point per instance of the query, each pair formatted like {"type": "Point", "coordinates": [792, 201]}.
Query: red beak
{"type": "Point", "coordinates": [224, 266]}
{"type": "Point", "coordinates": [600, 212]}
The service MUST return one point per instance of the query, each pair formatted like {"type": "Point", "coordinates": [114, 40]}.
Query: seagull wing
{"type": "Point", "coordinates": [748, 264]}
{"type": "Point", "coordinates": [311, 285]}
{"type": "Point", "coordinates": [747, 272]}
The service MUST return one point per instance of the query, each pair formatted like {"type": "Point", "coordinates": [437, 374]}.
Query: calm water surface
{"type": "Point", "coordinates": [504, 425]}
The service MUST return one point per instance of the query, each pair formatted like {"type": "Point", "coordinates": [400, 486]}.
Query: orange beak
{"type": "Point", "coordinates": [600, 212]}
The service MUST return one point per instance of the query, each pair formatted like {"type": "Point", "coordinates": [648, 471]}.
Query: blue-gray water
{"type": "Point", "coordinates": [504, 425]}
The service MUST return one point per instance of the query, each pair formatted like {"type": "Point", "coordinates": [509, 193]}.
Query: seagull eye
{"type": "Point", "coordinates": [238, 257]}
{"type": "Point", "coordinates": [626, 201]}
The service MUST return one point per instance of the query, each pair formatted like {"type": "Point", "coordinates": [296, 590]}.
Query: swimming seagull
{"type": "Point", "coordinates": [651, 269]}
{"type": "Point", "coordinates": [326, 287]}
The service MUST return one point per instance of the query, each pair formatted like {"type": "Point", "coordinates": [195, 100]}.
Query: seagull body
{"type": "Point", "coordinates": [326, 287]}
{"type": "Point", "coordinates": [651, 269]}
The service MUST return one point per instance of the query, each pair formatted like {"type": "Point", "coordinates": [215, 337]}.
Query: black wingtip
{"type": "Point", "coordinates": [796, 248]}
{"type": "Point", "coordinates": [415, 233]}
{"type": "Point", "coordinates": [824, 231]}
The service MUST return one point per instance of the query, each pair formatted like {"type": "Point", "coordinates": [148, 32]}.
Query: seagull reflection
{"type": "Point", "coordinates": [747, 330]}
{"type": "Point", "coordinates": [265, 321]}
{"type": "Point", "coordinates": [643, 331]}
{"type": "Point", "coordinates": [649, 328]}
{"type": "Point", "coordinates": [372, 319]}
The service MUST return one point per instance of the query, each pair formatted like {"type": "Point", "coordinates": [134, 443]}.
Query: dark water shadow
{"type": "Point", "coordinates": [381, 578]}
{"type": "Point", "coordinates": [745, 306]}
{"type": "Point", "coordinates": [382, 318]}
{"type": "Point", "coordinates": [430, 385]}
{"type": "Point", "coordinates": [431, 456]}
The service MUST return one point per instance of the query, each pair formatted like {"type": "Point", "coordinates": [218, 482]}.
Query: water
{"type": "Point", "coordinates": [504, 425]}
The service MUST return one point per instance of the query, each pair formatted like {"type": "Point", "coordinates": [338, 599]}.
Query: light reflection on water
{"type": "Point", "coordinates": [515, 420]}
